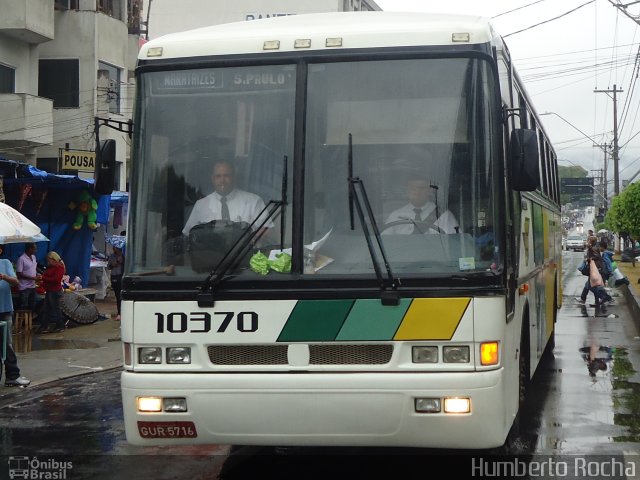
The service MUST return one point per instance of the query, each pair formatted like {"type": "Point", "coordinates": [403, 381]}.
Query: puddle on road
{"type": "Point", "coordinates": [626, 397]}
{"type": "Point", "coordinates": [30, 342]}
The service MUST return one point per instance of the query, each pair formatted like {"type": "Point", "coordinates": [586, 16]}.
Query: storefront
{"type": "Point", "coordinates": [63, 206]}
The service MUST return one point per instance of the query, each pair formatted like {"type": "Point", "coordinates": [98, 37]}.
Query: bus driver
{"type": "Point", "coordinates": [226, 202]}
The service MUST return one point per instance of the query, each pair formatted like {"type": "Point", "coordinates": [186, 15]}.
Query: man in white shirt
{"type": "Point", "coordinates": [419, 216]}
{"type": "Point", "coordinates": [226, 202]}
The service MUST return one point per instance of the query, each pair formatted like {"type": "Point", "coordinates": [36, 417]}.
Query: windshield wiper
{"type": "Point", "coordinates": [358, 195]}
{"type": "Point", "coordinates": [246, 241]}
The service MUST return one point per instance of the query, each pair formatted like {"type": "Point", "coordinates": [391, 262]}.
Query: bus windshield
{"type": "Point", "coordinates": [214, 149]}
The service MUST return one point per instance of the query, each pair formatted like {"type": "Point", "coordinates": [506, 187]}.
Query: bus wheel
{"type": "Point", "coordinates": [512, 444]}
{"type": "Point", "coordinates": [551, 343]}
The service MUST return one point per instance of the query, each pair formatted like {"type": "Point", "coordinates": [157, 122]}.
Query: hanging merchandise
{"type": "Point", "coordinates": [39, 196]}
{"type": "Point", "coordinates": [117, 216]}
{"type": "Point", "coordinates": [86, 206]}
{"type": "Point", "coordinates": [25, 191]}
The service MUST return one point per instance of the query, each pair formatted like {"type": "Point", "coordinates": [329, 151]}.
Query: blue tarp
{"type": "Point", "coordinates": [119, 198]}
{"type": "Point", "coordinates": [45, 199]}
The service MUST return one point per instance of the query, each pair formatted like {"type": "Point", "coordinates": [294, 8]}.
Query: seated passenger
{"type": "Point", "coordinates": [420, 214]}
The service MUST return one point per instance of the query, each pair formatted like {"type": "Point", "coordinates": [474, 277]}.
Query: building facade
{"type": "Point", "coordinates": [26, 119]}
{"type": "Point", "coordinates": [67, 66]}
{"type": "Point", "coordinates": [64, 64]}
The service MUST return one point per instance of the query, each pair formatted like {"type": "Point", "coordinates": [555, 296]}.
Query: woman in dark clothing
{"type": "Point", "coordinates": [116, 264]}
{"type": "Point", "coordinates": [602, 298]}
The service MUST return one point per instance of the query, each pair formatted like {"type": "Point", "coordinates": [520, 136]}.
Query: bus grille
{"type": "Point", "coordinates": [320, 354]}
{"type": "Point", "coordinates": [248, 354]}
{"type": "Point", "coordinates": [337, 354]}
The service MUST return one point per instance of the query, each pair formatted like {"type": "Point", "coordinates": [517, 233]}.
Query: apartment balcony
{"type": "Point", "coordinates": [25, 120]}
{"type": "Point", "coordinates": [30, 21]}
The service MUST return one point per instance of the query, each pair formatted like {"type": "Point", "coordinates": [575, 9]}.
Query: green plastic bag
{"type": "Point", "coordinates": [259, 263]}
{"type": "Point", "coordinates": [282, 263]}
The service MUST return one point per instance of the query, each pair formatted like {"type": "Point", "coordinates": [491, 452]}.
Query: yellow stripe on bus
{"type": "Point", "coordinates": [432, 319]}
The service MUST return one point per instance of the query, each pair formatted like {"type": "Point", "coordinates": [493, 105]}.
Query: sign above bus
{"type": "Point", "coordinates": [80, 160]}
{"type": "Point", "coordinates": [577, 185]}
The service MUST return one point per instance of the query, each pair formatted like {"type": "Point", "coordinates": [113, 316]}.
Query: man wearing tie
{"type": "Point", "coordinates": [226, 202]}
{"type": "Point", "coordinates": [421, 215]}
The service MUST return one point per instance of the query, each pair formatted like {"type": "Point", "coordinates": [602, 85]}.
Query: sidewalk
{"type": "Point", "coordinates": [78, 350]}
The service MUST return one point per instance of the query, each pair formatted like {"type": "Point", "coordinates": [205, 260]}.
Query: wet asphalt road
{"type": "Point", "coordinates": [574, 409]}
{"type": "Point", "coordinates": [570, 411]}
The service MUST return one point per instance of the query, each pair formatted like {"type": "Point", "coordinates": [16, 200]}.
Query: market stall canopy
{"type": "Point", "coordinates": [14, 172]}
{"type": "Point", "coordinates": [45, 199]}
{"type": "Point", "coordinates": [16, 228]}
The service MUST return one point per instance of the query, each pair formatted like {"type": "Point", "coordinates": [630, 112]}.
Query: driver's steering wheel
{"type": "Point", "coordinates": [422, 226]}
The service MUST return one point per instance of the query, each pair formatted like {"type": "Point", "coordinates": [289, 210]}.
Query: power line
{"type": "Point", "coordinates": [550, 20]}
{"type": "Point", "coordinates": [516, 9]}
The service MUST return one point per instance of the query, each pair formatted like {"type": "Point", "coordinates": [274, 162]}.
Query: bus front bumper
{"type": "Point", "coordinates": [317, 409]}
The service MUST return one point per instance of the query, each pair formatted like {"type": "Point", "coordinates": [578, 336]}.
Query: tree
{"type": "Point", "coordinates": [624, 215]}
{"type": "Point", "coordinates": [572, 172]}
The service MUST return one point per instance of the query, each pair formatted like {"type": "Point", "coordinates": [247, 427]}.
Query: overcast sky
{"type": "Point", "coordinates": [562, 62]}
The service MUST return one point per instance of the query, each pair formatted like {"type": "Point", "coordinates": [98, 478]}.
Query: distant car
{"type": "Point", "coordinates": [629, 254]}
{"type": "Point", "coordinates": [576, 243]}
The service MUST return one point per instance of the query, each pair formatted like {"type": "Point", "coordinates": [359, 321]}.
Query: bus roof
{"type": "Point", "coordinates": [353, 29]}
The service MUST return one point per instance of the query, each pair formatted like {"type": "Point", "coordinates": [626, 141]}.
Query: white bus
{"type": "Point", "coordinates": [345, 324]}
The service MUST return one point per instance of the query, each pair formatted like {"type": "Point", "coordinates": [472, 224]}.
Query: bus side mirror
{"type": "Point", "coordinates": [524, 158]}
{"type": "Point", "coordinates": [105, 174]}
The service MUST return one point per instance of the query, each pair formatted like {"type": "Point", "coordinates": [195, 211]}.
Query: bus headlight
{"type": "Point", "coordinates": [457, 405]}
{"type": "Point", "coordinates": [150, 355]}
{"type": "Point", "coordinates": [179, 355]}
{"type": "Point", "coordinates": [174, 404]}
{"type": "Point", "coordinates": [427, 405]}
{"type": "Point", "coordinates": [149, 404]}
{"type": "Point", "coordinates": [456, 354]}
{"type": "Point", "coordinates": [422, 354]}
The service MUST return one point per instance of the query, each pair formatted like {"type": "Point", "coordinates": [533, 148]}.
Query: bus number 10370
{"type": "Point", "coordinates": [202, 322]}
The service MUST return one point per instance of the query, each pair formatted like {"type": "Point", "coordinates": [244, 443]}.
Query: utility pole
{"type": "Point", "coordinates": [604, 147]}
{"type": "Point", "coordinates": [601, 184]}
{"type": "Point", "coordinates": [614, 151]}
{"type": "Point", "coordinates": [147, 22]}
{"type": "Point", "coordinates": [623, 9]}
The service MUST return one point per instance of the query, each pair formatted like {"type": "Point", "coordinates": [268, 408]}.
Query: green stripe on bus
{"type": "Point", "coordinates": [370, 320]}
{"type": "Point", "coordinates": [315, 320]}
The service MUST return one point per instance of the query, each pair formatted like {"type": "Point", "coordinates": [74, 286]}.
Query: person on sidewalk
{"type": "Point", "coordinates": [115, 263]}
{"type": "Point", "coordinates": [7, 280]}
{"type": "Point", "coordinates": [26, 268]}
{"type": "Point", "coordinates": [52, 283]}
{"type": "Point", "coordinates": [607, 258]}
{"type": "Point", "coordinates": [602, 298]}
